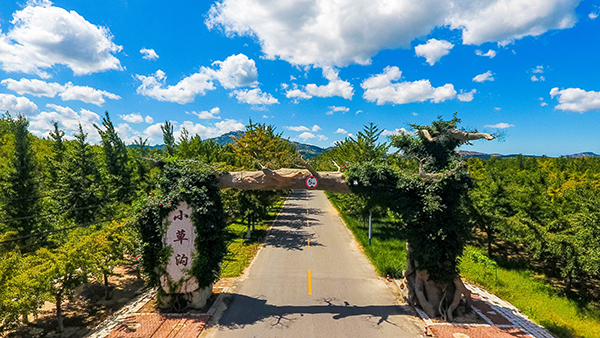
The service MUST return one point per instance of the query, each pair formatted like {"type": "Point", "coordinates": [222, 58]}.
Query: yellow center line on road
{"type": "Point", "coordinates": [309, 284]}
{"type": "Point", "coordinates": [309, 243]}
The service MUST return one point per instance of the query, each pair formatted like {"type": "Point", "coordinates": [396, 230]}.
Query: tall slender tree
{"type": "Point", "coordinates": [81, 188]}
{"type": "Point", "coordinates": [116, 159]}
{"type": "Point", "coordinates": [21, 193]}
{"type": "Point", "coordinates": [168, 138]}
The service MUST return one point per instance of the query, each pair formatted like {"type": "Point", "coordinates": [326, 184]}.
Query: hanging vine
{"type": "Point", "coordinates": [196, 185]}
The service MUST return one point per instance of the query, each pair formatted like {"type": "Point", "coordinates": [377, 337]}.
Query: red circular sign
{"type": "Point", "coordinates": [312, 182]}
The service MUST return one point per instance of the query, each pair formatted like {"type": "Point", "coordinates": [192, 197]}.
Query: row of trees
{"type": "Point", "coordinates": [66, 204]}
{"type": "Point", "coordinates": [547, 208]}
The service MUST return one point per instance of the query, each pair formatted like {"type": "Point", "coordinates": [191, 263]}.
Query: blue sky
{"type": "Point", "coordinates": [316, 70]}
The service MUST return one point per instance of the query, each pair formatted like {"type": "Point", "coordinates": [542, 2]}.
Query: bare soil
{"type": "Point", "coordinates": [85, 310]}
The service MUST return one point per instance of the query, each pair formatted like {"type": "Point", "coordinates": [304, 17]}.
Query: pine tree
{"type": "Point", "coordinates": [81, 182]}
{"type": "Point", "coordinates": [116, 159]}
{"type": "Point", "coordinates": [168, 138]}
{"type": "Point", "coordinates": [21, 192]}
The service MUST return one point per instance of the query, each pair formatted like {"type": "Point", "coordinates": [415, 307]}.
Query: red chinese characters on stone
{"type": "Point", "coordinates": [181, 259]}
{"type": "Point", "coordinates": [181, 237]}
{"type": "Point", "coordinates": [180, 216]}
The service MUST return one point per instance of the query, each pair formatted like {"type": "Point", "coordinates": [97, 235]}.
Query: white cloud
{"type": "Point", "coordinates": [576, 99]}
{"type": "Point", "coordinates": [132, 118]}
{"type": "Point", "coordinates": [538, 69]}
{"type": "Point", "coordinates": [185, 91]}
{"type": "Point", "coordinates": [335, 87]}
{"type": "Point", "coordinates": [593, 15]}
{"type": "Point", "coordinates": [68, 120]}
{"type": "Point", "coordinates": [67, 92]}
{"type": "Point", "coordinates": [466, 97]}
{"type": "Point", "coordinates": [335, 109]}
{"type": "Point", "coordinates": [17, 105]}
{"type": "Point", "coordinates": [86, 94]}
{"type": "Point", "coordinates": [497, 108]}
{"type": "Point", "coordinates": [543, 104]}
{"type": "Point", "coordinates": [43, 36]}
{"type": "Point", "coordinates": [415, 114]}
{"type": "Point", "coordinates": [380, 88]}
{"type": "Point", "coordinates": [206, 115]}
{"type": "Point", "coordinates": [487, 76]}
{"type": "Point", "coordinates": [501, 125]}
{"type": "Point", "coordinates": [395, 132]}
{"type": "Point", "coordinates": [126, 133]}
{"type": "Point", "coordinates": [235, 71]}
{"type": "Point", "coordinates": [136, 118]}
{"type": "Point", "coordinates": [33, 87]}
{"type": "Point", "coordinates": [149, 54]}
{"type": "Point", "coordinates": [254, 96]}
{"type": "Point", "coordinates": [535, 78]}
{"type": "Point", "coordinates": [433, 50]}
{"type": "Point", "coordinates": [490, 53]}
{"type": "Point", "coordinates": [325, 33]}
{"type": "Point", "coordinates": [341, 131]}
{"type": "Point", "coordinates": [297, 94]}
{"type": "Point", "coordinates": [306, 135]}
{"type": "Point", "coordinates": [322, 137]}
{"type": "Point", "coordinates": [298, 128]}
{"type": "Point", "coordinates": [315, 128]}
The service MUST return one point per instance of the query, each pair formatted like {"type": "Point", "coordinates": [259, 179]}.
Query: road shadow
{"type": "Point", "coordinates": [238, 315]}
{"type": "Point", "coordinates": [291, 239]}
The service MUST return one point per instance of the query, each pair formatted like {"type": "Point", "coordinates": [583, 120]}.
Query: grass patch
{"type": "Point", "coordinates": [387, 251]}
{"type": "Point", "coordinates": [533, 297]}
{"type": "Point", "coordinates": [241, 250]}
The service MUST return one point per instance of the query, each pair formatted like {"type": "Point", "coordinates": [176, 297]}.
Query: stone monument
{"type": "Point", "coordinates": [178, 281]}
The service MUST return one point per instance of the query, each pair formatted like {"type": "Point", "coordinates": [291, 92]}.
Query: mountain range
{"type": "Point", "coordinates": [310, 151]}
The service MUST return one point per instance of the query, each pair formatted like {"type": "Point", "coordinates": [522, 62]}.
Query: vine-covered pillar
{"type": "Point", "coordinates": [182, 228]}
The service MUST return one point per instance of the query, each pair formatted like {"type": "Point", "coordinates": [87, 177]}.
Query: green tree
{"type": "Point", "coordinates": [260, 145]}
{"type": "Point", "coordinates": [21, 193]}
{"type": "Point", "coordinates": [116, 159]}
{"type": "Point", "coordinates": [432, 207]}
{"type": "Point", "coordinates": [81, 182]}
{"type": "Point", "coordinates": [168, 138]}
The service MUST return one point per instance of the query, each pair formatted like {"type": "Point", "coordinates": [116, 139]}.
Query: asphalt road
{"type": "Point", "coordinates": [348, 299]}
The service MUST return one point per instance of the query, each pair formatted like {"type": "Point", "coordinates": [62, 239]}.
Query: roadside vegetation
{"type": "Point", "coordinates": [68, 210]}
{"type": "Point", "coordinates": [535, 226]}
{"type": "Point", "coordinates": [241, 249]}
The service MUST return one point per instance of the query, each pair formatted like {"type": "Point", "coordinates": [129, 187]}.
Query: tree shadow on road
{"type": "Point", "coordinates": [291, 240]}
{"type": "Point", "coordinates": [244, 310]}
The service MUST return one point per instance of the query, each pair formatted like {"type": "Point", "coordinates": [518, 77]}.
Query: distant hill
{"type": "Point", "coordinates": [227, 138]}
{"type": "Point", "coordinates": [306, 150]}
{"type": "Point", "coordinates": [469, 154]}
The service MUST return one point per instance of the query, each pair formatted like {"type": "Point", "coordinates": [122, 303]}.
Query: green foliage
{"type": "Point", "coordinates": [168, 138]}
{"type": "Point", "coordinates": [116, 159]}
{"type": "Point", "coordinates": [21, 188]}
{"type": "Point", "coordinates": [207, 151]}
{"type": "Point", "coordinates": [80, 185]}
{"type": "Point", "coordinates": [433, 210]}
{"type": "Point", "coordinates": [548, 207]}
{"type": "Point", "coordinates": [536, 299]}
{"type": "Point", "coordinates": [261, 145]}
{"type": "Point", "coordinates": [196, 186]}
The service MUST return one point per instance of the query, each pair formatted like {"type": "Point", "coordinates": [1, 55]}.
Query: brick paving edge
{"type": "Point", "coordinates": [106, 327]}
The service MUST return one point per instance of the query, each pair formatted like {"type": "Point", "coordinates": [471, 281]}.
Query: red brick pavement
{"type": "Point", "coordinates": [454, 331]}
{"type": "Point", "coordinates": [160, 326]}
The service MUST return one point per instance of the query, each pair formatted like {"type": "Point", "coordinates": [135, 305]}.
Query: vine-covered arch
{"type": "Point", "coordinates": [430, 201]}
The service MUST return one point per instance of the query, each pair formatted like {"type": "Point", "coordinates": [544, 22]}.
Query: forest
{"type": "Point", "coordinates": [68, 208]}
